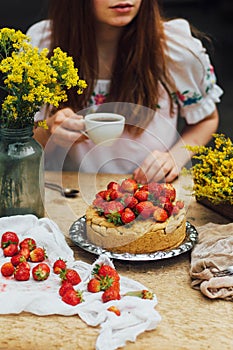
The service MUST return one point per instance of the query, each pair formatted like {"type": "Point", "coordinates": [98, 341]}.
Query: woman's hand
{"type": "Point", "coordinates": [65, 127]}
{"type": "Point", "coordinates": [166, 166]}
{"type": "Point", "coordinates": [156, 167]}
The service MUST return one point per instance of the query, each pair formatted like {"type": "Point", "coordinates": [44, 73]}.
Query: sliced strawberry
{"type": "Point", "coordinates": [114, 309]}
{"type": "Point", "coordinates": [7, 269]}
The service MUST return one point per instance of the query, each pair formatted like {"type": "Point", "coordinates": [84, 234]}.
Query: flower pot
{"type": "Point", "coordinates": [21, 173]}
{"type": "Point", "coordinates": [224, 209]}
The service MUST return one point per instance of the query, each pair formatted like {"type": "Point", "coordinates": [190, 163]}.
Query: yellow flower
{"type": "Point", "coordinates": [213, 172]}
{"type": "Point", "coordinates": [29, 79]}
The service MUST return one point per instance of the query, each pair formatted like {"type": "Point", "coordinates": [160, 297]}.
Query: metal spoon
{"type": "Point", "coordinates": [66, 192]}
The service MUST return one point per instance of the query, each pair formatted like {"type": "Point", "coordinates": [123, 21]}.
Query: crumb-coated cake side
{"type": "Point", "coordinates": [136, 219]}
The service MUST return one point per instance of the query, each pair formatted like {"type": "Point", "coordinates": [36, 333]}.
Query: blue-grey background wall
{"type": "Point", "coordinates": [214, 17]}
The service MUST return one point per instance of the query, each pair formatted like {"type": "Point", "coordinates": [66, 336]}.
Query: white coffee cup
{"type": "Point", "coordinates": [104, 127]}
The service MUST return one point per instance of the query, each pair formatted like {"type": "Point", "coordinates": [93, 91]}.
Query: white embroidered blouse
{"type": "Point", "coordinates": [196, 95]}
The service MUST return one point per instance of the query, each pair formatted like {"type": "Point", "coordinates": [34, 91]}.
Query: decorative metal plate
{"type": "Point", "coordinates": [78, 236]}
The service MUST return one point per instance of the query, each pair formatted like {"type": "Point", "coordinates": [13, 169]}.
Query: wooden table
{"type": "Point", "coordinates": [190, 321]}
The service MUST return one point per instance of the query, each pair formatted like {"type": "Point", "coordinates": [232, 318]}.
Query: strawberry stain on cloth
{"type": "Point", "coordinates": [115, 330]}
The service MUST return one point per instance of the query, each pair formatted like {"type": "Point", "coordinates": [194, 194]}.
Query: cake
{"type": "Point", "coordinates": [131, 218]}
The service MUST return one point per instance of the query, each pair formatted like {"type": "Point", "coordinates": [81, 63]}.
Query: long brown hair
{"type": "Point", "coordinates": [140, 63]}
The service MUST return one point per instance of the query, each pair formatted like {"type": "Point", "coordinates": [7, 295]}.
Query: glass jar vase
{"type": "Point", "coordinates": [21, 173]}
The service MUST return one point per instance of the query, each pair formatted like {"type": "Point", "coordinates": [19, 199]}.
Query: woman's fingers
{"type": "Point", "coordinates": [65, 127]}
{"type": "Point", "coordinates": [158, 166]}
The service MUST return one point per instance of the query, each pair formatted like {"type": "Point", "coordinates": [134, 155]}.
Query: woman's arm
{"type": "Point", "coordinates": [167, 165]}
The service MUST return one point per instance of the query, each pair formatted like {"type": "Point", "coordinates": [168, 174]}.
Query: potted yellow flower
{"type": "Point", "coordinates": [28, 80]}
{"type": "Point", "coordinates": [213, 175]}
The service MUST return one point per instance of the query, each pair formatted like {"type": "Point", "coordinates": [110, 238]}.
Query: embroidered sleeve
{"type": "Point", "coordinates": [190, 67]}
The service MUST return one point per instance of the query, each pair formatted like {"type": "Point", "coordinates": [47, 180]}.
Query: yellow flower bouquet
{"type": "Point", "coordinates": [213, 174]}
{"type": "Point", "coordinates": [30, 79]}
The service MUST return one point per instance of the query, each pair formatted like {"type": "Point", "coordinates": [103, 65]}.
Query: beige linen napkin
{"type": "Point", "coordinates": [213, 252]}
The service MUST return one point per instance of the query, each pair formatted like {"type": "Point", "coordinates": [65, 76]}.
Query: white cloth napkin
{"type": "Point", "coordinates": [42, 298]}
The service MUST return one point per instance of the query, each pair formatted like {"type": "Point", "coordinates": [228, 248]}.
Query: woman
{"type": "Point", "coordinates": [134, 62]}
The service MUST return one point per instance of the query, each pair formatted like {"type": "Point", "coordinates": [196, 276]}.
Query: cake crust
{"type": "Point", "coordinates": [141, 236]}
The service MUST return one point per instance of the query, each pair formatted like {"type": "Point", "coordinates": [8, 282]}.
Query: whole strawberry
{"type": "Point", "coordinates": [72, 297]}
{"type": "Point", "coordinates": [7, 269]}
{"type": "Point", "coordinates": [22, 272]}
{"type": "Point", "coordinates": [59, 265]}
{"type": "Point", "coordinates": [38, 255]}
{"type": "Point", "coordinates": [28, 242]}
{"type": "Point", "coordinates": [64, 287]}
{"type": "Point", "coordinates": [129, 185]}
{"type": "Point", "coordinates": [17, 259]}
{"type": "Point", "coordinates": [127, 216]}
{"type": "Point", "coordinates": [41, 272]}
{"type": "Point", "coordinates": [10, 250]}
{"type": "Point", "coordinates": [70, 275]}
{"type": "Point", "coordinates": [8, 238]}
{"type": "Point", "coordinates": [104, 270]}
{"type": "Point", "coordinates": [111, 294]}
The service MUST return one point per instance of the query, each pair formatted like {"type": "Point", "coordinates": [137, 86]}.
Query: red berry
{"type": "Point", "coordinates": [10, 250]}
{"type": "Point", "coordinates": [41, 272]}
{"type": "Point", "coordinates": [160, 214]}
{"type": "Point", "coordinates": [17, 259]}
{"type": "Point", "coordinates": [28, 243]}
{"type": "Point", "coordinates": [110, 294]}
{"type": "Point", "coordinates": [127, 216]}
{"type": "Point", "coordinates": [64, 287]}
{"type": "Point", "coordinates": [8, 238]}
{"type": "Point", "coordinates": [38, 254]}
{"type": "Point", "coordinates": [72, 297]}
{"type": "Point", "coordinates": [59, 265]}
{"type": "Point", "coordinates": [71, 276]}
{"type": "Point", "coordinates": [7, 269]}
{"type": "Point", "coordinates": [129, 185]}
